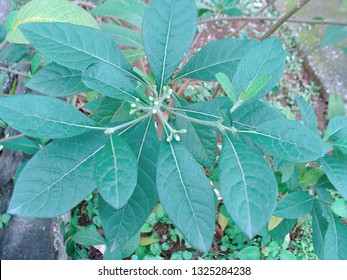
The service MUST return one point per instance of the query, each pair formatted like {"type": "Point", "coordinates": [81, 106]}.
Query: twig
{"type": "Point", "coordinates": [85, 4]}
{"type": "Point", "coordinates": [215, 91]}
{"type": "Point", "coordinates": [256, 18]}
{"type": "Point", "coordinates": [258, 13]}
{"type": "Point", "coordinates": [285, 18]}
{"type": "Point", "coordinates": [3, 45]}
{"type": "Point", "coordinates": [14, 72]}
{"type": "Point", "coordinates": [11, 138]}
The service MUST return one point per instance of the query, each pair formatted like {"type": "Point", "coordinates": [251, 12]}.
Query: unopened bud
{"type": "Point", "coordinates": [155, 111]}
{"type": "Point", "coordinates": [133, 105]}
{"type": "Point", "coordinates": [177, 137]}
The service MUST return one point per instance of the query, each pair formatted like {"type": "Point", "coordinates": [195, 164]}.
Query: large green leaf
{"type": "Point", "coordinates": [307, 113]}
{"type": "Point", "coordinates": [116, 173]}
{"type": "Point", "coordinates": [294, 205]}
{"type": "Point", "coordinates": [57, 178]}
{"type": "Point", "coordinates": [48, 11]}
{"type": "Point", "coordinates": [122, 35]}
{"type": "Point", "coordinates": [265, 58]}
{"type": "Point", "coordinates": [43, 117]}
{"type": "Point", "coordinates": [75, 46]}
{"type": "Point", "coordinates": [131, 11]}
{"type": "Point", "coordinates": [335, 247]}
{"type": "Point", "coordinates": [288, 140]}
{"type": "Point", "coordinates": [200, 140]}
{"type": "Point", "coordinates": [106, 79]}
{"type": "Point", "coordinates": [58, 81]}
{"type": "Point", "coordinates": [248, 186]}
{"type": "Point", "coordinates": [319, 228]}
{"type": "Point", "coordinates": [186, 194]}
{"type": "Point", "coordinates": [336, 172]}
{"type": "Point", "coordinates": [165, 43]}
{"type": "Point", "coordinates": [333, 35]}
{"type": "Point", "coordinates": [337, 128]}
{"type": "Point", "coordinates": [220, 56]}
{"type": "Point", "coordinates": [121, 225]}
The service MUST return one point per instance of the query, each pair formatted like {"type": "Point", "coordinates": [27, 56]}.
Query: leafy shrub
{"type": "Point", "coordinates": [143, 143]}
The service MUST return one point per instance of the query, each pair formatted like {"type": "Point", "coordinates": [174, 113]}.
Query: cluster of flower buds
{"type": "Point", "coordinates": [167, 92]}
{"type": "Point", "coordinates": [175, 134]}
{"type": "Point", "coordinates": [136, 106]}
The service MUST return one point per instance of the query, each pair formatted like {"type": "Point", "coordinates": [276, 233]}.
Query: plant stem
{"type": "Point", "coordinates": [273, 28]}
{"type": "Point", "coordinates": [14, 72]}
{"type": "Point", "coordinates": [11, 138]}
{"type": "Point", "coordinates": [110, 130]}
{"type": "Point", "coordinates": [3, 45]}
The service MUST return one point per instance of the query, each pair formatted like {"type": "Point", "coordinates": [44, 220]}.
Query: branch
{"type": "Point", "coordinates": [237, 30]}
{"type": "Point", "coordinates": [85, 4]}
{"type": "Point", "coordinates": [3, 45]}
{"type": "Point", "coordinates": [14, 72]}
{"type": "Point", "coordinates": [285, 18]}
{"type": "Point", "coordinates": [256, 18]}
{"type": "Point", "coordinates": [11, 138]}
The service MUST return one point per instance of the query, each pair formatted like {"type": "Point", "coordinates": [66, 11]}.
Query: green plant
{"type": "Point", "coordinates": [142, 142]}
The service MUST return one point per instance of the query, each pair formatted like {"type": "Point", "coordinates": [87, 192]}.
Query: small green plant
{"type": "Point", "coordinates": [142, 143]}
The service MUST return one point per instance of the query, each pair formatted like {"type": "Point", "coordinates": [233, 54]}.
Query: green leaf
{"type": "Point", "coordinates": [57, 178]}
{"type": "Point", "coordinates": [339, 207]}
{"type": "Point", "coordinates": [335, 247]}
{"type": "Point", "coordinates": [312, 176]}
{"type": "Point", "coordinates": [116, 173]}
{"type": "Point", "coordinates": [227, 86]}
{"type": "Point", "coordinates": [217, 56]}
{"type": "Point", "coordinates": [48, 11]}
{"type": "Point", "coordinates": [341, 145]}
{"type": "Point", "coordinates": [186, 194]}
{"type": "Point", "coordinates": [248, 186]}
{"type": "Point", "coordinates": [108, 80]}
{"type": "Point", "coordinates": [249, 253]}
{"type": "Point", "coordinates": [294, 205]}
{"type": "Point", "coordinates": [131, 11]}
{"type": "Point", "coordinates": [5, 218]}
{"type": "Point", "coordinates": [252, 115]}
{"type": "Point", "coordinates": [112, 110]}
{"type": "Point", "coordinates": [88, 237]}
{"type": "Point", "coordinates": [308, 115]}
{"type": "Point", "coordinates": [265, 58]}
{"type": "Point", "coordinates": [336, 106]}
{"type": "Point", "coordinates": [71, 46]}
{"type": "Point", "coordinates": [165, 43]}
{"type": "Point", "coordinates": [122, 35]}
{"type": "Point", "coordinates": [254, 87]}
{"type": "Point", "coordinates": [319, 228]}
{"type": "Point", "coordinates": [333, 35]}
{"type": "Point", "coordinates": [36, 63]}
{"type": "Point", "coordinates": [57, 81]}
{"type": "Point", "coordinates": [288, 140]}
{"type": "Point", "coordinates": [22, 144]}
{"type": "Point", "coordinates": [336, 172]}
{"type": "Point", "coordinates": [337, 128]}
{"type": "Point", "coordinates": [200, 140]}
{"type": "Point", "coordinates": [121, 225]}
{"type": "Point", "coordinates": [43, 117]}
